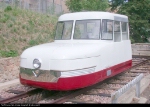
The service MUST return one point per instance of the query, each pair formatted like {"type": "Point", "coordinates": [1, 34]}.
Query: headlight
{"type": "Point", "coordinates": [36, 63]}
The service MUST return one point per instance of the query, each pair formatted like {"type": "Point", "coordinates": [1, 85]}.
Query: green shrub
{"type": "Point", "coordinates": [10, 53]}
{"type": "Point", "coordinates": [23, 26]}
{"type": "Point", "coordinates": [21, 29]}
{"type": "Point", "coordinates": [9, 25]}
{"type": "Point", "coordinates": [1, 26]}
{"type": "Point", "coordinates": [3, 19]}
{"type": "Point", "coordinates": [33, 42]}
{"type": "Point", "coordinates": [31, 23]}
{"type": "Point", "coordinates": [8, 8]}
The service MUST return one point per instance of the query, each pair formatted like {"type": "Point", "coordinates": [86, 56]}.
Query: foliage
{"type": "Point", "coordinates": [87, 5]}
{"type": "Point", "coordinates": [138, 12]}
{"type": "Point", "coordinates": [20, 29]}
{"type": "Point", "coordinates": [10, 53]}
{"type": "Point", "coordinates": [8, 8]}
{"type": "Point", "coordinates": [114, 4]}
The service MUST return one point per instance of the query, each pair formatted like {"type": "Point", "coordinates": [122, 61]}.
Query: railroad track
{"type": "Point", "coordinates": [23, 96]}
{"type": "Point", "coordinates": [98, 93]}
{"type": "Point", "coordinates": [28, 96]}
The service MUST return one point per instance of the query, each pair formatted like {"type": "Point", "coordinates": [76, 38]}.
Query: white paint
{"type": "Point", "coordinates": [89, 15]}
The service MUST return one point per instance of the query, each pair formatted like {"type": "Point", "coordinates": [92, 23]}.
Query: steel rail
{"type": "Point", "coordinates": [19, 96]}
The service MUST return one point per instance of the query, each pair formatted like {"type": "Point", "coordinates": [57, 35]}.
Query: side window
{"type": "Point", "coordinates": [79, 30]}
{"type": "Point", "coordinates": [64, 30]}
{"type": "Point", "coordinates": [90, 27]}
{"type": "Point", "coordinates": [93, 29]}
{"type": "Point", "coordinates": [107, 29]}
{"type": "Point", "coordinates": [124, 30]}
{"type": "Point", "coordinates": [117, 33]}
{"type": "Point", "coordinates": [59, 30]}
{"type": "Point", "coordinates": [87, 29]}
{"type": "Point", "coordinates": [67, 30]}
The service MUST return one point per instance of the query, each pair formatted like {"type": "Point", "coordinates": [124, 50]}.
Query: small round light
{"type": "Point", "coordinates": [36, 63]}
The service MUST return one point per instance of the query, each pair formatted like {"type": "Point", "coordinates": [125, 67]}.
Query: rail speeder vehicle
{"type": "Point", "coordinates": [88, 48]}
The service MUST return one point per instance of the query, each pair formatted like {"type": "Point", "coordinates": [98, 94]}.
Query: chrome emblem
{"type": "Point", "coordinates": [36, 73]}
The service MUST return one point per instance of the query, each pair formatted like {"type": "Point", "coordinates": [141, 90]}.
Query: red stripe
{"type": "Point", "coordinates": [71, 83]}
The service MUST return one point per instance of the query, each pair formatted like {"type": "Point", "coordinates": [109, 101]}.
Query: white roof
{"type": "Point", "coordinates": [92, 15]}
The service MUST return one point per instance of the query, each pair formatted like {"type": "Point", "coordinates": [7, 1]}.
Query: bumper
{"type": "Point", "coordinates": [39, 75]}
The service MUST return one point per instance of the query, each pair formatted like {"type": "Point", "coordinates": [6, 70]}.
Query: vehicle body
{"type": "Point", "coordinates": [88, 48]}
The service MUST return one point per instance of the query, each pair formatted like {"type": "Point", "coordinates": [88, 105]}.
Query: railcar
{"type": "Point", "coordinates": [88, 48]}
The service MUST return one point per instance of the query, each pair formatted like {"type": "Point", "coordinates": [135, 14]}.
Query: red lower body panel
{"type": "Point", "coordinates": [72, 83]}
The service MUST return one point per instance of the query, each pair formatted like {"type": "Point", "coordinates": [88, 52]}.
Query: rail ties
{"type": "Point", "coordinates": [124, 77]}
{"type": "Point", "coordinates": [139, 71]}
{"type": "Point", "coordinates": [130, 74]}
{"type": "Point", "coordinates": [107, 88]}
{"type": "Point", "coordinates": [99, 94]}
{"type": "Point", "coordinates": [15, 91]}
{"type": "Point", "coordinates": [78, 102]}
{"type": "Point", "coordinates": [1, 98]}
{"type": "Point", "coordinates": [19, 96]}
{"type": "Point", "coordinates": [143, 69]}
{"type": "Point", "coordinates": [124, 83]}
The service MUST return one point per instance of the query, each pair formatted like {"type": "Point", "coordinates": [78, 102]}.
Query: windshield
{"type": "Point", "coordinates": [87, 29]}
{"type": "Point", "coordinates": [64, 30]}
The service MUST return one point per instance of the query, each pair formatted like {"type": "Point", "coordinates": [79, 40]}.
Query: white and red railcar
{"type": "Point", "coordinates": [88, 48]}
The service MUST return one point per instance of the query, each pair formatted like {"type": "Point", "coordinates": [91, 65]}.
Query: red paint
{"type": "Point", "coordinates": [72, 83]}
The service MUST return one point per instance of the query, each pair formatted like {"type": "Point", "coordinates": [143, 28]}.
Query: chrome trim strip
{"type": "Point", "coordinates": [78, 72]}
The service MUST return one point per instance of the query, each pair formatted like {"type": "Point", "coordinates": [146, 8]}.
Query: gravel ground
{"type": "Point", "coordinates": [145, 94]}
{"type": "Point", "coordinates": [5, 78]}
{"type": "Point", "coordinates": [8, 76]}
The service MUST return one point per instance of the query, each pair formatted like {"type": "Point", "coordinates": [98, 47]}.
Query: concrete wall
{"type": "Point", "coordinates": [141, 49]}
{"type": "Point", "coordinates": [56, 2]}
{"type": "Point", "coordinates": [57, 7]}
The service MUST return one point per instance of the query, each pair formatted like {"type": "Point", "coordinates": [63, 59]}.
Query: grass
{"type": "Point", "coordinates": [20, 29]}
